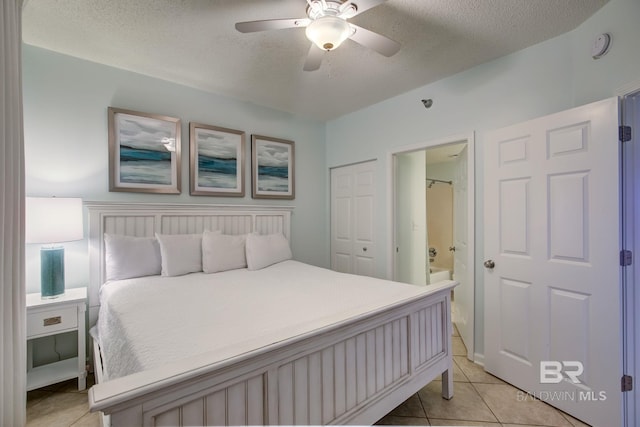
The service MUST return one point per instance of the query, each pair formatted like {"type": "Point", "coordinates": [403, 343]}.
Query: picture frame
{"type": "Point", "coordinates": [216, 160]}
{"type": "Point", "coordinates": [144, 152]}
{"type": "Point", "coordinates": [272, 168]}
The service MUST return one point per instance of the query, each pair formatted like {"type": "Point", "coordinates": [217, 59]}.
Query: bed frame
{"type": "Point", "coordinates": [353, 372]}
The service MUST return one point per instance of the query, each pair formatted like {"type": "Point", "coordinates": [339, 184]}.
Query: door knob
{"type": "Point", "coordinates": [489, 264]}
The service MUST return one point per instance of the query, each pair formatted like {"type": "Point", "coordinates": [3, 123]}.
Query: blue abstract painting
{"type": "Point", "coordinates": [219, 155]}
{"type": "Point", "coordinates": [146, 149]}
{"type": "Point", "coordinates": [274, 168]}
{"type": "Point", "coordinates": [217, 159]}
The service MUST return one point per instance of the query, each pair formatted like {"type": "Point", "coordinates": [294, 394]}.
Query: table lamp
{"type": "Point", "coordinates": [51, 220]}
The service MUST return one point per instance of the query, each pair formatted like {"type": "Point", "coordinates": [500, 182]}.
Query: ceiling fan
{"type": "Point", "coordinates": [327, 27]}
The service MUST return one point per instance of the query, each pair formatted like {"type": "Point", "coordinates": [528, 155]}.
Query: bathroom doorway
{"type": "Point", "coordinates": [433, 222]}
{"type": "Point", "coordinates": [440, 171]}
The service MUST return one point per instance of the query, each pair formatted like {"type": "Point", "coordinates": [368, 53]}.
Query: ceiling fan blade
{"type": "Point", "coordinates": [314, 58]}
{"type": "Point", "coordinates": [361, 5]}
{"type": "Point", "coordinates": [271, 24]}
{"type": "Point", "coordinates": [381, 44]}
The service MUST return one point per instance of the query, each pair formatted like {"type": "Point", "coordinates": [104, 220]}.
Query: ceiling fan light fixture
{"type": "Point", "coordinates": [328, 32]}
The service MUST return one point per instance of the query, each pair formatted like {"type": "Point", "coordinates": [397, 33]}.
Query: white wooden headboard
{"type": "Point", "coordinates": [145, 219]}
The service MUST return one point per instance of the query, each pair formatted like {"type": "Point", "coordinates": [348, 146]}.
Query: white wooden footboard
{"type": "Point", "coordinates": [354, 372]}
{"type": "Point", "coordinates": [350, 373]}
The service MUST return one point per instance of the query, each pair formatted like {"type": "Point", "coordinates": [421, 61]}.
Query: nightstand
{"type": "Point", "coordinates": [46, 317]}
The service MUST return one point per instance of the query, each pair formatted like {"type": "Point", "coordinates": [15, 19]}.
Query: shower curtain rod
{"type": "Point", "coordinates": [439, 180]}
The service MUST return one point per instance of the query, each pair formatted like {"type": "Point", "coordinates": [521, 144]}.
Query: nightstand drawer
{"type": "Point", "coordinates": [46, 322]}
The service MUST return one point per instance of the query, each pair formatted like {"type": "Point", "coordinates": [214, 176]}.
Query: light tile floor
{"type": "Point", "coordinates": [480, 399]}
{"type": "Point", "coordinates": [61, 405]}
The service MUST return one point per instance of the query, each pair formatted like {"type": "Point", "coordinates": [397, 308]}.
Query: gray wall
{"type": "Point", "coordinates": [65, 118]}
{"type": "Point", "coordinates": [66, 102]}
{"type": "Point", "coordinates": [543, 79]}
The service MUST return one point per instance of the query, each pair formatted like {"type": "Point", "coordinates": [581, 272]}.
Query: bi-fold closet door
{"type": "Point", "coordinates": [353, 193]}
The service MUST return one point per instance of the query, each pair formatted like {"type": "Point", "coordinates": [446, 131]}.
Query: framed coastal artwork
{"type": "Point", "coordinates": [216, 159]}
{"type": "Point", "coordinates": [272, 168]}
{"type": "Point", "coordinates": [144, 152]}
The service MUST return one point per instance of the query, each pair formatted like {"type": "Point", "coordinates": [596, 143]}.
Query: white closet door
{"type": "Point", "coordinates": [552, 298]}
{"type": "Point", "coordinates": [352, 218]}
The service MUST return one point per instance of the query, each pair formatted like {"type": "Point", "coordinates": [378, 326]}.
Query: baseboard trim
{"type": "Point", "coordinates": [478, 358]}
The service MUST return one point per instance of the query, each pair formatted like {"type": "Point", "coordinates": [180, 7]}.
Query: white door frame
{"type": "Point", "coordinates": [631, 241]}
{"type": "Point", "coordinates": [469, 139]}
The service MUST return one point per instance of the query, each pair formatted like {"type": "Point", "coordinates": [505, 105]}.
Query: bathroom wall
{"type": "Point", "coordinates": [440, 224]}
{"type": "Point", "coordinates": [411, 232]}
{"type": "Point", "coordinates": [440, 212]}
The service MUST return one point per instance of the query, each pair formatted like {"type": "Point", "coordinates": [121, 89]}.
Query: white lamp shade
{"type": "Point", "coordinates": [328, 32]}
{"type": "Point", "coordinates": [53, 219]}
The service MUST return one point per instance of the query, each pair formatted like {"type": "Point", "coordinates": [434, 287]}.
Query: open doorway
{"type": "Point", "coordinates": [433, 222]}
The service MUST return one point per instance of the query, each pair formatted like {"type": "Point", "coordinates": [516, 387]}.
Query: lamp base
{"type": "Point", "coordinates": [51, 272]}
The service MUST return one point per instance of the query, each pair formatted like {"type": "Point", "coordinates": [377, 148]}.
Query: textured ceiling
{"type": "Point", "coordinates": [194, 42]}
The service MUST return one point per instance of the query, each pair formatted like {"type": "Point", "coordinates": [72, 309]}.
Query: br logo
{"type": "Point", "coordinates": [551, 371]}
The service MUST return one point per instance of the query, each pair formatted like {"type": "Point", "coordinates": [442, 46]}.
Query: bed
{"type": "Point", "coordinates": [349, 360]}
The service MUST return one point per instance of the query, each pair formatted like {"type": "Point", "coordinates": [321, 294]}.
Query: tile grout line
{"type": "Point", "coordinates": [501, 422]}
{"type": "Point", "coordinates": [461, 371]}
{"type": "Point", "coordinates": [468, 382]}
{"type": "Point", "coordinates": [424, 410]}
{"type": "Point", "coordinates": [485, 402]}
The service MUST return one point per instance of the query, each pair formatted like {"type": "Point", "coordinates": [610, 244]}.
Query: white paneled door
{"type": "Point", "coordinates": [552, 287]}
{"type": "Point", "coordinates": [352, 218]}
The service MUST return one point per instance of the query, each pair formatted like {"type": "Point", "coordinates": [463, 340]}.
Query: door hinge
{"type": "Point", "coordinates": [626, 258]}
{"type": "Point", "coordinates": [624, 133]}
{"type": "Point", "coordinates": [626, 383]}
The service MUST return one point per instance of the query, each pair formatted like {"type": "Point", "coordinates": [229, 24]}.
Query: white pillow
{"type": "Point", "coordinates": [128, 256]}
{"type": "Point", "coordinates": [221, 252]}
{"type": "Point", "coordinates": [265, 250]}
{"type": "Point", "coordinates": [181, 253]}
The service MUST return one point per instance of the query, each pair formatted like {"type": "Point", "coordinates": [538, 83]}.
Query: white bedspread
{"type": "Point", "coordinates": [150, 321]}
